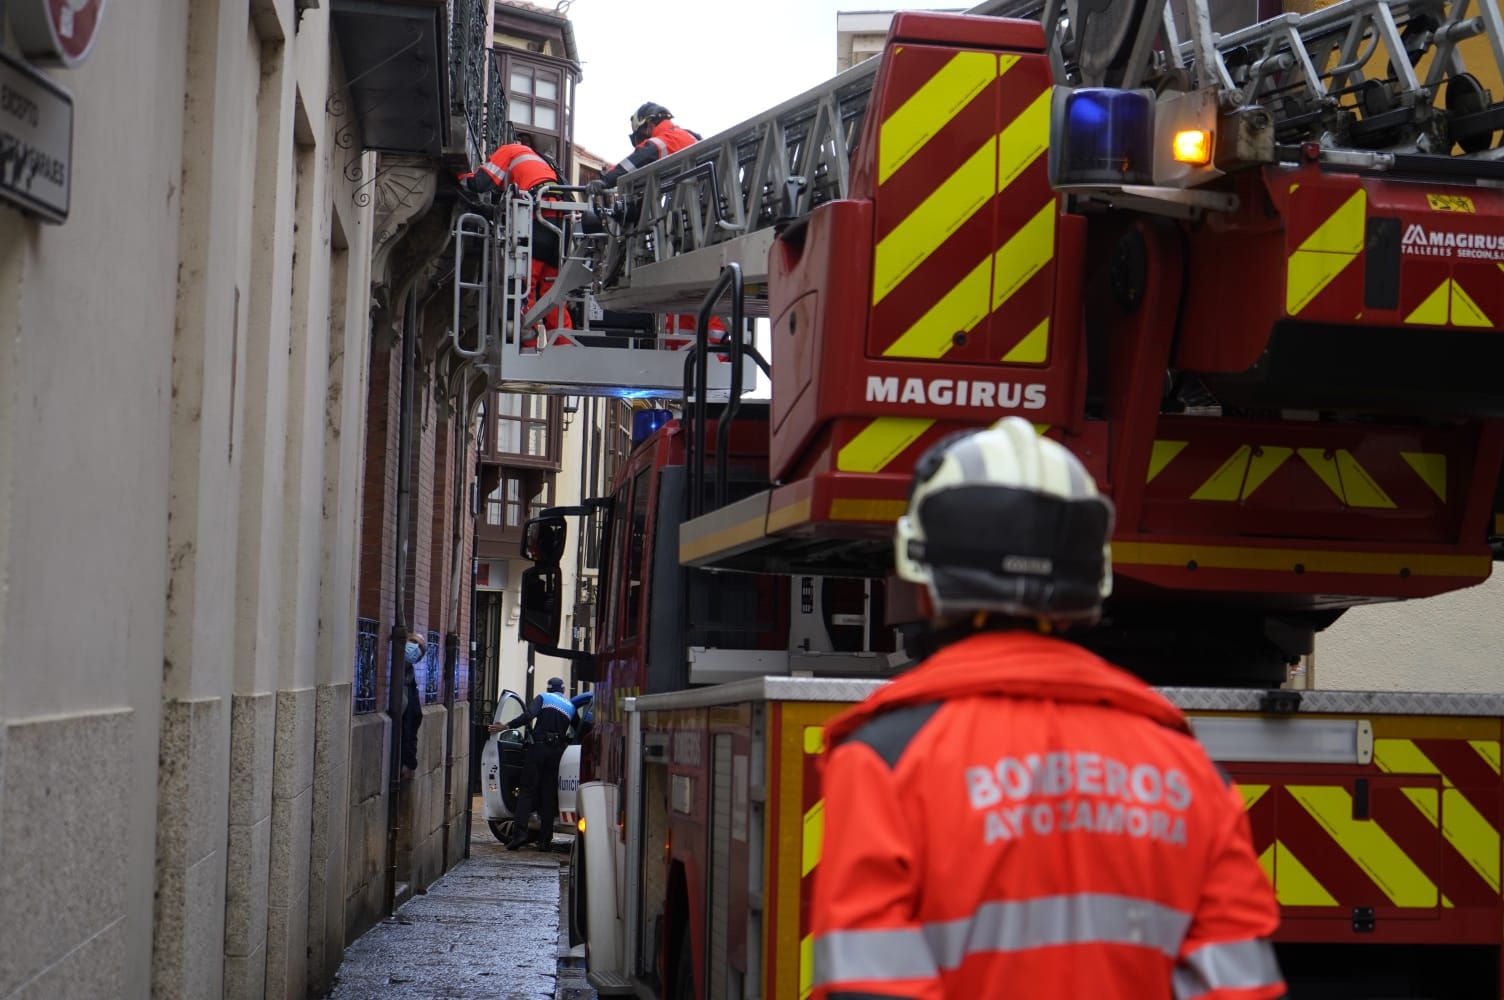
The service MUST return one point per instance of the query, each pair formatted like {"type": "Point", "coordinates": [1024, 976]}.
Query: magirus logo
{"type": "Point", "coordinates": [1422, 242]}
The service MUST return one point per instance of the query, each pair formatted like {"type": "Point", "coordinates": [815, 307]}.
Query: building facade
{"type": "Point", "coordinates": [182, 370]}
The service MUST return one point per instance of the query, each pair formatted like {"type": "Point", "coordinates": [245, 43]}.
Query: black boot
{"type": "Point", "coordinates": [519, 837]}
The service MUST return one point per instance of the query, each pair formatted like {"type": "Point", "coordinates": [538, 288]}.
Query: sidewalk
{"type": "Point", "coordinates": [488, 928]}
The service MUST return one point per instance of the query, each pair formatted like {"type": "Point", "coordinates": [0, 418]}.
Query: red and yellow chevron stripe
{"type": "Point", "coordinates": [1418, 837]}
{"type": "Point", "coordinates": [962, 268]}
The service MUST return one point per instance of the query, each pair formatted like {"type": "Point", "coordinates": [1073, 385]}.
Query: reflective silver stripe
{"type": "Point", "coordinates": [662, 146]}
{"type": "Point", "coordinates": [868, 956]}
{"type": "Point", "coordinates": [626, 166]}
{"type": "Point", "coordinates": [495, 171]}
{"type": "Point", "coordinates": [1083, 918]}
{"type": "Point", "coordinates": [1237, 965]}
{"type": "Point", "coordinates": [524, 158]}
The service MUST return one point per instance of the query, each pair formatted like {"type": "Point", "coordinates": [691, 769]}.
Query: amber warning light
{"type": "Point", "coordinates": [1193, 145]}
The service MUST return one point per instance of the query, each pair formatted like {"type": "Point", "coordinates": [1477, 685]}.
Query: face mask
{"type": "Point", "coordinates": [414, 652]}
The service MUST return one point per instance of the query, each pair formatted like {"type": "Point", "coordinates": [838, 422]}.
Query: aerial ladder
{"type": "Point", "coordinates": [1252, 274]}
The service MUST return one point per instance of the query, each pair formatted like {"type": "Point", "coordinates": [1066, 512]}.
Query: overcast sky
{"type": "Point", "coordinates": [712, 63]}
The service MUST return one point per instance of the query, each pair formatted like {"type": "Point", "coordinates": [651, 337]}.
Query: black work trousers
{"type": "Point", "coordinates": [540, 790]}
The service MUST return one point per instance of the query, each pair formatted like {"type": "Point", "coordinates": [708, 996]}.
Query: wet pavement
{"type": "Point", "coordinates": [488, 928]}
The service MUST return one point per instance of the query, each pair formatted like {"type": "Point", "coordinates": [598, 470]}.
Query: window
{"type": "Point", "coordinates": [521, 494]}
{"type": "Point", "coordinates": [618, 435]}
{"type": "Point", "coordinates": [636, 553]}
{"type": "Point", "coordinates": [526, 430]}
{"type": "Point", "coordinates": [533, 96]}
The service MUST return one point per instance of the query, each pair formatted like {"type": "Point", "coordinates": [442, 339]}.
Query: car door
{"type": "Point", "coordinates": [501, 759]}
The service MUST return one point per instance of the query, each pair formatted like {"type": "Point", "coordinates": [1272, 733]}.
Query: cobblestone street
{"type": "Point", "coordinates": [489, 928]}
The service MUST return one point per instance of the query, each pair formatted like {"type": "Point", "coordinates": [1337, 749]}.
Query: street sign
{"type": "Point", "coordinates": [36, 141]}
{"type": "Point", "coordinates": [56, 30]}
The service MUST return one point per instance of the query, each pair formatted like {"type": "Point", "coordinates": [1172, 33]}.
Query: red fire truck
{"type": "Point", "coordinates": [1251, 277]}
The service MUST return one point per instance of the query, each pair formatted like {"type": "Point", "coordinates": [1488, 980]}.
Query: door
{"type": "Point", "coordinates": [501, 760]}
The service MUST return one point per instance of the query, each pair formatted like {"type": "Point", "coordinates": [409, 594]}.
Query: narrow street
{"type": "Point", "coordinates": [490, 927]}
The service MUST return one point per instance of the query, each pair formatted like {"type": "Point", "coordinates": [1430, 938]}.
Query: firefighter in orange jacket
{"type": "Point", "coordinates": [517, 164]}
{"type": "Point", "coordinates": [655, 136]}
{"type": "Point", "coordinates": [1017, 817]}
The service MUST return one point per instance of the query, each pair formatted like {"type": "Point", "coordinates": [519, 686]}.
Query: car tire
{"type": "Point", "coordinates": [501, 829]}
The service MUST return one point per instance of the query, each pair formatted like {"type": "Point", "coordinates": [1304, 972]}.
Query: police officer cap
{"type": "Point", "coordinates": [556, 684]}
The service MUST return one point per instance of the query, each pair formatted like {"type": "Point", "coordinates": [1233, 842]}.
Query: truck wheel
{"type": "Point", "coordinates": [501, 829]}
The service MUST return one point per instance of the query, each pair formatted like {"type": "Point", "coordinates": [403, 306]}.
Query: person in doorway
{"type": "Point", "coordinates": [517, 164]}
{"type": "Point", "coordinates": [413, 652]}
{"type": "Point", "coordinates": [1015, 814]}
{"type": "Point", "coordinates": [547, 720]}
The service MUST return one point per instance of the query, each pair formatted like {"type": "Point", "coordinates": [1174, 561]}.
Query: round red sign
{"type": "Point", "coordinates": [56, 30]}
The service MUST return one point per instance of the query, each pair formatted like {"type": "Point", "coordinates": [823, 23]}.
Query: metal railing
{"type": "Point", "coordinates": [475, 90]}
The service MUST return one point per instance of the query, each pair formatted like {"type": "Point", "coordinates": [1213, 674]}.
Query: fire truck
{"type": "Point", "coordinates": [1252, 274]}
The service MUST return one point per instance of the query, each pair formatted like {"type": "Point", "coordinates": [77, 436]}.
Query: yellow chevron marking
{"type": "Point", "coordinates": [1227, 482]}
{"type": "Point", "coordinates": [1366, 843]}
{"type": "Point", "coordinates": [1465, 311]}
{"type": "Point", "coordinates": [933, 106]}
{"type": "Point", "coordinates": [1346, 478]}
{"type": "Point", "coordinates": [879, 443]}
{"type": "Point", "coordinates": [1266, 862]}
{"type": "Point", "coordinates": [1433, 308]}
{"type": "Point", "coordinates": [1466, 829]}
{"type": "Point", "coordinates": [1294, 885]}
{"type": "Point", "coordinates": [1449, 303]}
{"type": "Point", "coordinates": [1326, 253]}
{"type": "Point", "coordinates": [1023, 140]}
{"type": "Point", "coordinates": [1252, 793]}
{"type": "Point", "coordinates": [1447, 904]}
{"type": "Point", "coordinates": [960, 309]}
{"type": "Point", "coordinates": [1432, 468]}
{"type": "Point", "coordinates": [1163, 454]}
{"type": "Point", "coordinates": [806, 966]}
{"type": "Point", "coordinates": [1398, 756]}
{"type": "Point", "coordinates": [1488, 750]}
{"type": "Point", "coordinates": [1034, 348]}
{"type": "Point", "coordinates": [1042, 429]}
{"type": "Point", "coordinates": [814, 829]}
{"type": "Point", "coordinates": [1470, 832]}
{"type": "Point", "coordinates": [1427, 801]}
{"type": "Point", "coordinates": [957, 199]}
{"type": "Point", "coordinates": [1025, 253]}
{"type": "Point", "coordinates": [1242, 474]}
{"type": "Point", "coordinates": [814, 739]}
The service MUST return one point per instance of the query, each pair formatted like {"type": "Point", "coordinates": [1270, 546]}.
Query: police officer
{"type": "Point", "coordinates": [547, 719]}
{"type": "Point", "coordinates": [1015, 810]}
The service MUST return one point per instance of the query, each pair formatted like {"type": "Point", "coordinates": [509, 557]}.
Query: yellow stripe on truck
{"type": "Point", "coordinates": [880, 442]}
{"type": "Point", "coordinates": [933, 106]}
{"type": "Point", "coordinates": [1326, 253]}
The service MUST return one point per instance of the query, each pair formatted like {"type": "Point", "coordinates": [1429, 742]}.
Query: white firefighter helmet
{"type": "Point", "coordinates": [1002, 520]}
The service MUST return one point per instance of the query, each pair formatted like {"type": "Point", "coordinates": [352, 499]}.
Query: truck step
{"type": "Point", "coordinates": [612, 984]}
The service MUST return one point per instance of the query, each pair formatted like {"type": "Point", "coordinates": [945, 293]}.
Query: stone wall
{"type": "Point", "coordinates": [365, 834]}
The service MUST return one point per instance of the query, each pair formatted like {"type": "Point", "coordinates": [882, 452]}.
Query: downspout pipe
{"type": "Point", "coordinates": [457, 562]}
{"type": "Point", "coordinates": [395, 688]}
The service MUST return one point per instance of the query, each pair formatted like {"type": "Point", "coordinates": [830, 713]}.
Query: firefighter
{"type": "Point", "coordinates": [517, 164]}
{"type": "Point", "coordinates": [655, 136]}
{"type": "Point", "coordinates": [1017, 815]}
{"type": "Point", "coordinates": [547, 719]}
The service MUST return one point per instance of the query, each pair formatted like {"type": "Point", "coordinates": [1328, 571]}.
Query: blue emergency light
{"type": "Point", "coordinates": [1107, 138]}
{"type": "Point", "coordinates": [645, 424]}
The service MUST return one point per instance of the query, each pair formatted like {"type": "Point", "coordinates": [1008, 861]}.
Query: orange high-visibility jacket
{"type": "Point", "coordinates": [1016, 817]}
{"type": "Point", "coordinates": [669, 138]}
{"type": "Point", "coordinates": [517, 164]}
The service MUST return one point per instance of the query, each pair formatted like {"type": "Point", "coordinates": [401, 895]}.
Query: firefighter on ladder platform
{"type": "Point", "coordinates": [654, 136]}
{"type": "Point", "coordinates": [1017, 815]}
{"type": "Point", "coordinates": [517, 164]}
